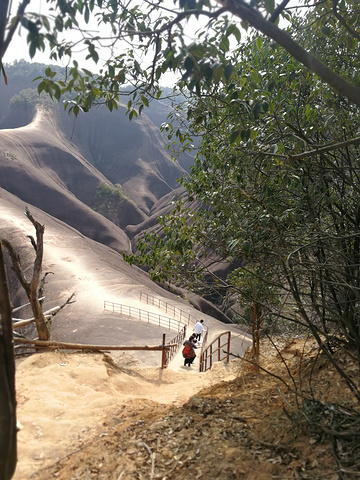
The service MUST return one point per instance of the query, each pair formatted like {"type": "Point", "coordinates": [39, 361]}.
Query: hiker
{"type": "Point", "coordinates": [198, 329]}
{"type": "Point", "coordinates": [189, 351]}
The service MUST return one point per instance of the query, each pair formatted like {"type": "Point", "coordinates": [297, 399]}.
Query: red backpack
{"type": "Point", "coordinates": [186, 351]}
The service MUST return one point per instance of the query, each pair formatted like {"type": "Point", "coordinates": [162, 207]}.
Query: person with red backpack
{"type": "Point", "coordinates": [189, 351]}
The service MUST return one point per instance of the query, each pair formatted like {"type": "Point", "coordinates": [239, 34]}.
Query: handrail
{"type": "Point", "coordinates": [206, 357]}
{"type": "Point", "coordinates": [143, 315]}
{"type": "Point", "coordinates": [183, 317]}
{"type": "Point", "coordinates": [50, 344]}
{"type": "Point", "coordinates": [175, 344]}
{"type": "Point", "coordinates": [203, 343]}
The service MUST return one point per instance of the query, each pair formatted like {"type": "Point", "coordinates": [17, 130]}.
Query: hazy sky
{"type": "Point", "coordinates": [18, 48]}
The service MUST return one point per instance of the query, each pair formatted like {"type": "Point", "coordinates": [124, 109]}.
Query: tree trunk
{"type": "Point", "coordinates": [40, 319]}
{"type": "Point", "coordinates": [8, 451]}
{"type": "Point", "coordinates": [31, 287]}
{"type": "Point", "coordinates": [255, 331]}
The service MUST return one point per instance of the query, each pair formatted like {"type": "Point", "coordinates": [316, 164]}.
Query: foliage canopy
{"type": "Point", "coordinates": [143, 41]}
{"type": "Point", "coordinates": [274, 192]}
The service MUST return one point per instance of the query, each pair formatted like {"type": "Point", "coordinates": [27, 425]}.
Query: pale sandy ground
{"type": "Point", "coordinates": [63, 398]}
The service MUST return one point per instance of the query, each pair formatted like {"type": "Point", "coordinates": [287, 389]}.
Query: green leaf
{"type": "Point", "coordinates": [228, 71]}
{"type": "Point", "coordinates": [57, 92]}
{"type": "Point", "coordinates": [40, 87]}
{"type": "Point", "coordinates": [270, 5]}
{"type": "Point", "coordinates": [235, 135]}
{"type": "Point", "coordinates": [224, 44]}
{"type": "Point", "coordinates": [87, 14]}
{"type": "Point", "coordinates": [188, 64]}
{"type": "Point", "coordinates": [245, 134]}
{"type": "Point", "coordinates": [59, 24]}
{"type": "Point", "coordinates": [145, 101]}
{"type": "Point", "coordinates": [32, 49]}
{"type": "Point", "coordinates": [45, 22]}
{"type": "Point", "coordinates": [233, 30]}
{"type": "Point", "coordinates": [111, 70]}
{"type": "Point", "coordinates": [259, 43]}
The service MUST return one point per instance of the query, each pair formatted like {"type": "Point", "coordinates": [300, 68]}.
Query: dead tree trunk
{"type": "Point", "coordinates": [32, 287]}
{"type": "Point", "coordinates": [8, 452]}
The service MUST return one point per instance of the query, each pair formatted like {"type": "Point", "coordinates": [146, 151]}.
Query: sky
{"type": "Point", "coordinates": [18, 48]}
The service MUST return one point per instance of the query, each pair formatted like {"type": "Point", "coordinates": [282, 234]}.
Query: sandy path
{"type": "Point", "coordinates": [63, 399]}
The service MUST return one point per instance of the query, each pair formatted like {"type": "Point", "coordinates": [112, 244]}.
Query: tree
{"type": "Point", "coordinates": [156, 32]}
{"type": "Point", "coordinates": [275, 186]}
{"type": "Point", "coordinates": [35, 284]}
{"type": "Point", "coordinates": [7, 375]}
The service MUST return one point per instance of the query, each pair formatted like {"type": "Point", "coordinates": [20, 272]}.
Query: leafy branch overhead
{"type": "Point", "coordinates": [273, 198]}
{"type": "Point", "coordinates": [132, 46]}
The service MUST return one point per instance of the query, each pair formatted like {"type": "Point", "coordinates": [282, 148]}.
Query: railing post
{"type": "Point", "coordinates": [228, 348]}
{"type": "Point", "coordinates": [163, 357]}
{"type": "Point", "coordinates": [219, 346]}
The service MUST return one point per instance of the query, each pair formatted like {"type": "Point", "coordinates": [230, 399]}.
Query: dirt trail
{"type": "Point", "coordinates": [63, 399]}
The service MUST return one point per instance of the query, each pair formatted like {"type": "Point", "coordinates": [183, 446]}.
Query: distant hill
{"type": "Point", "coordinates": [60, 164]}
{"type": "Point", "coordinates": [100, 174]}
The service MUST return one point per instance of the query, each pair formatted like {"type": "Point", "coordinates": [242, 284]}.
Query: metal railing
{"type": "Point", "coordinates": [143, 315]}
{"type": "Point", "coordinates": [176, 312]}
{"type": "Point", "coordinates": [204, 340]}
{"type": "Point", "coordinates": [175, 344]}
{"type": "Point", "coordinates": [213, 352]}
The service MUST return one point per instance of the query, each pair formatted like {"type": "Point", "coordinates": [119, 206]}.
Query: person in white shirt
{"type": "Point", "coordinates": [199, 328]}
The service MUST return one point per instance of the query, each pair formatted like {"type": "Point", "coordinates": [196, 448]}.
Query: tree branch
{"type": "Point", "coordinates": [342, 20]}
{"type": "Point", "coordinates": [278, 10]}
{"type": "Point", "coordinates": [38, 247]}
{"type": "Point", "coordinates": [4, 42]}
{"type": "Point", "coordinates": [317, 151]}
{"type": "Point", "coordinates": [15, 265]}
{"type": "Point", "coordinates": [256, 20]}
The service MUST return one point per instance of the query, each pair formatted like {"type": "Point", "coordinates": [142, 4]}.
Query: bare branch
{"type": "Point", "coordinates": [33, 243]}
{"type": "Point", "coordinates": [15, 265]}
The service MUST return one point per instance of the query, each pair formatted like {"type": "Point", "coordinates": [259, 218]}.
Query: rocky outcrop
{"type": "Point", "coordinates": [56, 163]}
{"type": "Point", "coordinates": [132, 154]}
{"type": "Point", "coordinates": [40, 167]}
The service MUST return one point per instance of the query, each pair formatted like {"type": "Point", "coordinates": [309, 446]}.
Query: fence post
{"type": "Point", "coordinates": [228, 348]}
{"type": "Point", "coordinates": [163, 356]}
